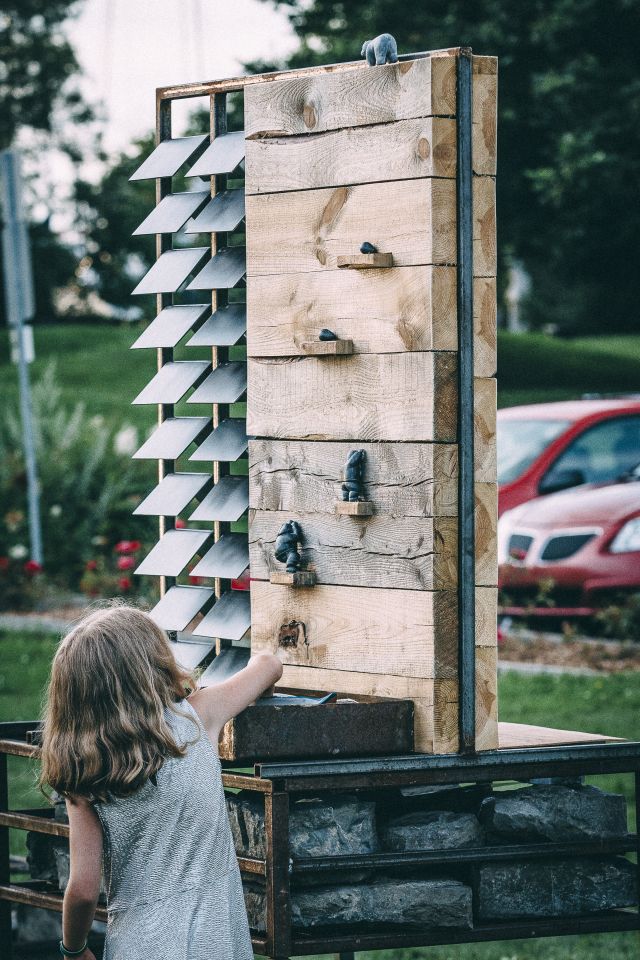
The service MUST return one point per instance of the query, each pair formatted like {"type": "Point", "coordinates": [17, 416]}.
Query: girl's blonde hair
{"type": "Point", "coordinates": [104, 734]}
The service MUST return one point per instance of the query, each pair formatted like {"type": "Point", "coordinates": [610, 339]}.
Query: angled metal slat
{"type": "Point", "coordinates": [168, 157]}
{"type": "Point", "coordinates": [227, 501]}
{"type": "Point", "coordinates": [170, 326]}
{"type": "Point", "coordinates": [223, 328]}
{"type": "Point", "coordinates": [172, 212]}
{"type": "Point", "coordinates": [226, 444]}
{"type": "Point", "coordinates": [229, 618]}
{"type": "Point", "coordinates": [173, 552]}
{"type": "Point", "coordinates": [227, 558]}
{"type": "Point", "coordinates": [174, 492]}
{"type": "Point", "coordinates": [222, 214]}
{"type": "Point", "coordinates": [171, 270]}
{"type": "Point", "coordinates": [172, 381]}
{"type": "Point", "coordinates": [222, 156]}
{"type": "Point", "coordinates": [190, 655]}
{"type": "Point", "coordinates": [228, 662]}
{"type": "Point", "coordinates": [225, 384]}
{"type": "Point", "coordinates": [172, 437]}
{"type": "Point", "coordinates": [179, 606]}
{"type": "Point", "coordinates": [223, 271]}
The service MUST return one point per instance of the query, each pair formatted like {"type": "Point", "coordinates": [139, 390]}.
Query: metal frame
{"type": "Point", "coordinates": [278, 783]}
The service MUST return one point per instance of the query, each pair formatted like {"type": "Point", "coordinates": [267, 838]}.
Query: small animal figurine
{"type": "Point", "coordinates": [286, 548]}
{"type": "Point", "coordinates": [326, 334]}
{"type": "Point", "coordinates": [353, 485]}
{"type": "Point", "coordinates": [380, 50]}
{"type": "Point", "coordinates": [367, 247]}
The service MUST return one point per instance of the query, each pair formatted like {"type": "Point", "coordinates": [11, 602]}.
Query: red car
{"type": "Point", "coordinates": [547, 447]}
{"type": "Point", "coordinates": [565, 554]}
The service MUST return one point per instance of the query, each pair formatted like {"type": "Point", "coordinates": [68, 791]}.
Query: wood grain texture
{"type": "Point", "coordinates": [486, 616]}
{"type": "Point", "coordinates": [485, 356]}
{"type": "Point", "coordinates": [486, 533]}
{"type": "Point", "coordinates": [484, 418]}
{"type": "Point", "coordinates": [484, 227]}
{"type": "Point", "coordinates": [385, 311]}
{"type": "Point", "coordinates": [408, 149]}
{"type": "Point", "coordinates": [407, 553]}
{"type": "Point", "coordinates": [354, 629]}
{"type": "Point", "coordinates": [366, 397]}
{"type": "Point", "coordinates": [308, 230]}
{"type": "Point", "coordinates": [487, 698]}
{"type": "Point", "coordinates": [485, 114]}
{"type": "Point", "coordinates": [364, 261]}
{"type": "Point", "coordinates": [402, 479]}
{"type": "Point", "coordinates": [400, 91]}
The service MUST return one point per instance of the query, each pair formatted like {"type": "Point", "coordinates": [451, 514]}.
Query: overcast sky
{"type": "Point", "coordinates": [127, 48]}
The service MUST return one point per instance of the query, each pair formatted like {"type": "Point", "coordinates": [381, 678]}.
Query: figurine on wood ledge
{"type": "Point", "coordinates": [368, 258]}
{"type": "Point", "coordinates": [353, 502]}
{"type": "Point", "coordinates": [286, 551]}
{"type": "Point", "coordinates": [328, 344]}
{"type": "Point", "coordinates": [380, 50]}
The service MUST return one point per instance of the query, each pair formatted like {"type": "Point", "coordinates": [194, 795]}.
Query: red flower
{"type": "Point", "coordinates": [127, 546]}
{"type": "Point", "coordinates": [124, 583]}
{"type": "Point", "coordinates": [180, 523]}
{"type": "Point", "coordinates": [32, 566]}
{"type": "Point", "coordinates": [125, 563]}
{"type": "Point", "coordinates": [4, 563]}
{"type": "Point", "coordinates": [196, 580]}
{"type": "Point", "coordinates": [91, 565]}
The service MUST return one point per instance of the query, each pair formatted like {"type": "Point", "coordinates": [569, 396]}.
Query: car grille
{"type": "Point", "coordinates": [559, 548]}
{"type": "Point", "coordinates": [519, 544]}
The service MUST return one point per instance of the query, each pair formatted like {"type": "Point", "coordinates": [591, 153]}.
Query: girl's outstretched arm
{"type": "Point", "coordinates": [217, 704]}
{"type": "Point", "coordinates": [83, 889]}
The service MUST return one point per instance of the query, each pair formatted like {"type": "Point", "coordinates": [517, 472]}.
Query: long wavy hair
{"type": "Point", "coordinates": [103, 730]}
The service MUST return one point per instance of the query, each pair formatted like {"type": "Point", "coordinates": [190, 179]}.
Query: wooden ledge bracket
{"type": "Point", "coordinates": [301, 578]}
{"type": "Point", "coordinates": [366, 261]}
{"type": "Point", "coordinates": [355, 508]}
{"type": "Point", "coordinates": [328, 348]}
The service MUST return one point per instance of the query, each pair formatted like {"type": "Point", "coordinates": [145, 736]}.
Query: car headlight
{"type": "Point", "coordinates": [627, 539]}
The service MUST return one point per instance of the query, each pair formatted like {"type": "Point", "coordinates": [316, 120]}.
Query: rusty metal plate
{"type": "Point", "coordinates": [168, 157]}
{"type": "Point", "coordinates": [173, 552]}
{"type": "Point", "coordinates": [222, 214]}
{"type": "Point", "coordinates": [229, 661]}
{"type": "Point", "coordinates": [229, 618]}
{"type": "Point", "coordinates": [226, 444]}
{"type": "Point", "coordinates": [223, 328]}
{"type": "Point", "coordinates": [227, 558]}
{"type": "Point", "coordinates": [172, 437]}
{"type": "Point", "coordinates": [172, 381]}
{"type": "Point", "coordinates": [190, 654]}
{"type": "Point", "coordinates": [225, 384]}
{"type": "Point", "coordinates": [173, 494]}
{"type": "Point", "coordinates": [222, 156]}
{"type": "Point", "coordinates": [227, 501]}
{"type": "Point", "coordinates": [222, 272]}
{"type": "Point", "coordinates": [170, 326]}
{"type": "Point", "coordinates": [171, 270]}
{"type": "Point", "coordinates": [172, 212]}
{"type": "Point", "coordinates": [179, 606]}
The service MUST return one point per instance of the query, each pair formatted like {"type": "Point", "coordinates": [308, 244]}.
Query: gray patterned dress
{"type": "Point", "coordinates": [171, 874]}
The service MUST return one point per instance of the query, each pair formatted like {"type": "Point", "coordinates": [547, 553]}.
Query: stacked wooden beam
{"type": "Point", "coordinates": [334, 160]}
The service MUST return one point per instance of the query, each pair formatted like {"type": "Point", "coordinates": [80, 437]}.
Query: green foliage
{"type": "Point", "coordinates": [568, 133]}
{"type": "Point", "coordinates": [620, 618]}
{"type": "Point", "coordinates": [87, 492]}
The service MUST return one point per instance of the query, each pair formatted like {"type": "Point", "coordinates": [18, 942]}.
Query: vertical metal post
{"type": "Point", "coordinates": [18, 286]}
{"type": "Point", "coordinates": [466, 506]}
{"type": "Point", "coordinates": [5, 864]}
{"type": "Point", "coordinates": [164, 354]}
{"type": "Point", "coordinates": [276, 823]}
{"type": "Point", "coordinates": [218, 121]}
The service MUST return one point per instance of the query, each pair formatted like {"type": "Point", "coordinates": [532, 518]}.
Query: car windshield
{"type": "Point", "coordinates": [519, 442]}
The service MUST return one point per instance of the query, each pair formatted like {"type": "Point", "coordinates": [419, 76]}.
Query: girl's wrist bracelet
{"type": "Point", "coordinates": [73, 953]}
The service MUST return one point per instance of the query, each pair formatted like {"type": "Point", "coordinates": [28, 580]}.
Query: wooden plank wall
{"type": "Point", "coordinates": [331, 161]}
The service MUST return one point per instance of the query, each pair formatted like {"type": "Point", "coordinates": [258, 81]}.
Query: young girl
{"type": "Point", "coordinates": [131, 743]}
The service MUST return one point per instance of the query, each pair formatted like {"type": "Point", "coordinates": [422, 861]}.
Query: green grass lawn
{"type": "Point", "coordinates": [610, 704]}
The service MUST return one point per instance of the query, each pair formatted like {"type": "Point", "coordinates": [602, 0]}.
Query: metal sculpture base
{"type": "Point", "coordinates": [301, 578]}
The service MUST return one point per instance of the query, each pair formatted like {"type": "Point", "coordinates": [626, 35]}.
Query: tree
{"type": "Point", "coordinates": [568, 134]}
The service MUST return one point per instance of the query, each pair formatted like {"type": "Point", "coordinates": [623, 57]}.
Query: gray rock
{"type": "Point", "coordinates": [563, 888]}
{"type": "Point", "coordinates": [555, 812]}
{"type": "Point", "coordinates": [63, 864]}
{"type": "Point", "coordinates": [433, 830]}
{"type": "Point", "coordinates": [40, 857]}
{"type": "Point", "coordinates": [423, 903]}
{"type": "Point", "coordinates": [35, 925]}
{"type": "Point", "coordinates": [246, 819]}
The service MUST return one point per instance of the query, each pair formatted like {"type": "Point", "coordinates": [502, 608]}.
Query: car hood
{"type": "Point", "coordinates": [591, 503]}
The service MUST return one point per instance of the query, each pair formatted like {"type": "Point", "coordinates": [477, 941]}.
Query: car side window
{"type": "Point", "coordinates": [600, 454]}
